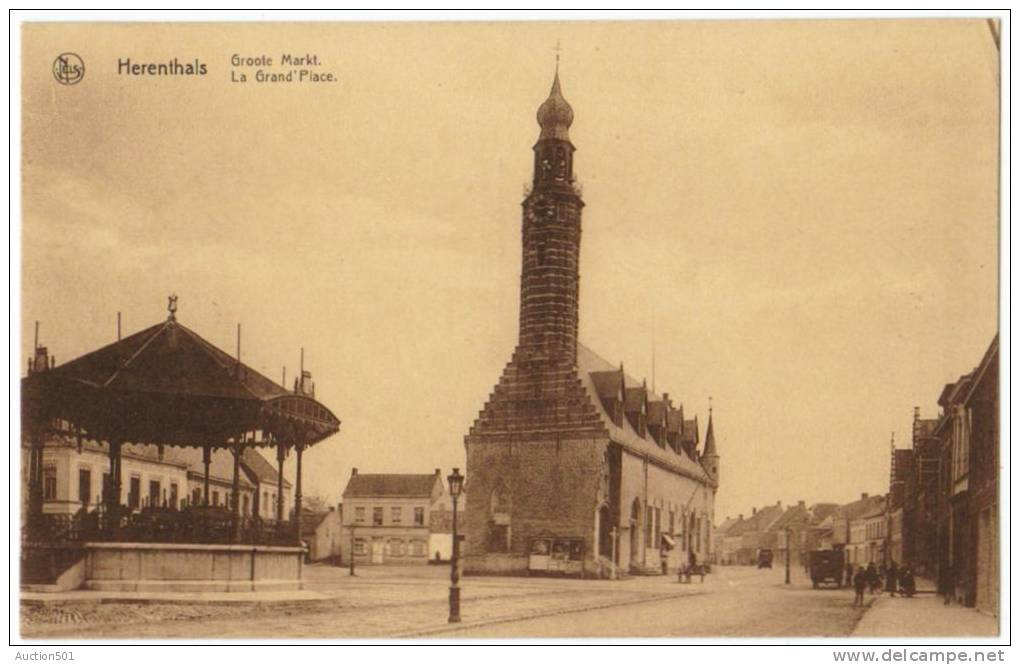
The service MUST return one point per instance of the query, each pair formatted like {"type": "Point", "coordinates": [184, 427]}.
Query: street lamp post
{"type": "Point", "coordinates": [787, 555]}
{"type": "Point", "coordinates": [456, 481]}
{"type": "Point", "coordinates": [352, 548]}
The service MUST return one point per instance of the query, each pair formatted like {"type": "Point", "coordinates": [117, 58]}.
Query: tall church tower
{"type": "Point", "coordinates": [558, 461]}
{"type": "Point", "coordinates": [551, 234]}
{"type": "Point", "coordinates": [539, 394]}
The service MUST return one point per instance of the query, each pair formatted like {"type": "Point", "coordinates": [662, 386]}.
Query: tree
{"type": "Point", "coordinates": [315, 504]}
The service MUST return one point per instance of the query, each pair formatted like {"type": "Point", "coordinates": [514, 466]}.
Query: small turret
{"type": "Point", "coordinates": [710, 457]}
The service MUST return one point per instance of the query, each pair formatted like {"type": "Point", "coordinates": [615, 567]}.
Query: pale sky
{"type": "Point", "coordinates": [803, 215]}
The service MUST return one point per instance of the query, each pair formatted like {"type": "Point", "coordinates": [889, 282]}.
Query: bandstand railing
{"type": "Point", "coordinates": [195, 524]}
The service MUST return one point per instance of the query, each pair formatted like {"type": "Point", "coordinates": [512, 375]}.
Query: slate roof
{"type": "Point", "coordinates": [690, 433]}
{"type": "Point", "coordinates": [797, 514]}
{"type": "Point", "coordinates": [589, 362]}
{"type": "Point", "coordinates": [822, 511]}
{"type": "Point", "coordinates": [759, 521]}
{"type": "Point", "coordinates": [221, 465]}
{"type": "Point", "coordinates": [858, 509]}
{"type": "Point", "coordinates": [633, 399]}
{"type": "Point", "coordinates": [262, 468]}
{"type": "Point", "coordinates": [406, 485]}
{"type": "Point", "coordinates": [726, 525]}
{"type": "Point", "coordinates": [169, 358]}
{"type": "Point", "coordinates": [177, 388]}
{"type": "Point", "coordinates": [607, 384]}
{"type": "Point", "coordinates": [656, 412]}
{"type": "Point", "coordinates": [310, 521]}
{"type": "Point", "coordinates": [710, 438]}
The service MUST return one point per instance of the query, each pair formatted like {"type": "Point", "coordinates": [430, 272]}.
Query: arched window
{"type": "Point", "coordinates": [635, 531]}
{"type": "Point", "coordinates": [561, 163]}
{"type": "Point", "coordinates": [499, 502]}
{"type": "Point", "coordinates": [500, 506]}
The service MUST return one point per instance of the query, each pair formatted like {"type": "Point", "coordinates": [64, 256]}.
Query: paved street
{"type": "Point", "coordinates": [405, 602]}
{"type": "Point", "coordinates": [742, 603]}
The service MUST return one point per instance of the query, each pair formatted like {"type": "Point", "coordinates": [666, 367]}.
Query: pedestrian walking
{"type": "Point", "coordinates": [891, 579]}
{"type": "Point", "coordinates": [873, 579]}
{"type": "Point", "coordinates": [945, 584]}
{"type": "Point", "coordinates": [907, 587]}
{"type": "Point", "coordinates": [849, 581]}
{"type": "Point", "coordinates": [860, 583]}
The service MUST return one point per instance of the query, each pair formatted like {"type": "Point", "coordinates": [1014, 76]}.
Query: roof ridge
{"type": "Point", "coordinates": [137, 352]}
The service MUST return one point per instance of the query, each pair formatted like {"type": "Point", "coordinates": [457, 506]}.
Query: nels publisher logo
{"type": "Point", "coordinates": [68, 69]}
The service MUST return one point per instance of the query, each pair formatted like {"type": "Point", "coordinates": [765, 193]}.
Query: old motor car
{"type": "Point", "coordinates": [826, 566]}
{"type": "Point", "coordinates": [764, 558]}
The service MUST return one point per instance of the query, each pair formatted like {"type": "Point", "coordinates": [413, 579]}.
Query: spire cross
{"type": "Point", "coordinates": [709, 405]}
{"type": "Point", "coordinates": [557, 49]}
{"type": "Point", "coordinates": [171, 306]}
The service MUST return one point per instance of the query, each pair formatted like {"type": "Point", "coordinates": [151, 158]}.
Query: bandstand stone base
{"type": "Point", "coordinates": [186, 567]}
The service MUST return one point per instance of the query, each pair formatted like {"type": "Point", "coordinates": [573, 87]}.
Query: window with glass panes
{"type": "Point", "coordinates": [85, 485]}
{"type": "Point", "coordinates": [50, 483]}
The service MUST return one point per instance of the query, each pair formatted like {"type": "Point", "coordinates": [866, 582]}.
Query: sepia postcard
{"type": "Point", "coordinates": [426, 331]}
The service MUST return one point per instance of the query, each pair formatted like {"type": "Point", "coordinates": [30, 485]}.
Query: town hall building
{"type": "Point", "coordinates": [573, 466]}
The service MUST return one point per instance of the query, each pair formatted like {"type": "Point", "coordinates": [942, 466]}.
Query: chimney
{"type": "Point", "coordinates": [354, 471]}
{"type": "Point", "coordinates": [754, 511]}
{"type": "Point", "coordinates": [864, 495]}
{"type": "Point", "coordinates": [740, 517]}
{"type": "Point", "coordinates": [917, 413]}
{"type": "Point", "coordinates": [801, 504]}
{"type": "Point", "coordinates": [438, 472]}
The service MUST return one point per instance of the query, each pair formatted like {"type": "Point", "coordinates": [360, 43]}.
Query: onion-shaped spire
{"type": "Point", "coordinates": [555, 115]}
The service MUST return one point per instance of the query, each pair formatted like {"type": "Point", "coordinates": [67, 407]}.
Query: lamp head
{"type": "Point", "coordinates": [456, 481]}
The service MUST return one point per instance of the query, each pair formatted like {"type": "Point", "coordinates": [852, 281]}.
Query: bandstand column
{"type": "Point", "coordinates": [206, 459]}
{"type": "Point", "coordinates": [35, 476]}
{"type": "Point", "coordinates": [113, 497]}
{"type": "Point", "coordinates": [235, 497]}
{"type": "Point", "coordinates": [297, 494]}
{"type": "Point", "coordinates": [281, 453]}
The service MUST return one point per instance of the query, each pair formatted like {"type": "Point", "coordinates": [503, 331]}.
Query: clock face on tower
{"type": "Point", "coordinates": [543, 208]}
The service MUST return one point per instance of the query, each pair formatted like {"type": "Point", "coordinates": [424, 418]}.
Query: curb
{"type": "Point", "coordinates": [453, 628]}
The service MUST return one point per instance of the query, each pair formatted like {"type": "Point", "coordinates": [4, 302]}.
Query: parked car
{"type": "Point", "coordinates": [826, 566]}
{"type": "Point", "coordinates": [764, 558]}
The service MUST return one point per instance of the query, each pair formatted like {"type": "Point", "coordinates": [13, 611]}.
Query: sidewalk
{"type": "Point", "coordinates": [923, 616]}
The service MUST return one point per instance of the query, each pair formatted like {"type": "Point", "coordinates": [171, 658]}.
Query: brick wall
{"type": "Point", "coordinates": [553, 489]}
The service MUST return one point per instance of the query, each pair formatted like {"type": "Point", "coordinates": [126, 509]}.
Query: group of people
{"type": "Point", "coordinates": [896, 579]}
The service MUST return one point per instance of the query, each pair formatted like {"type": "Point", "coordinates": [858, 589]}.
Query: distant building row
{"type": "Point", "coordinates": [857, 527]}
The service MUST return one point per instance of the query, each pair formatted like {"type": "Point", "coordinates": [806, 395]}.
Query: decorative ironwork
{"type": "Point", "coordinates": [194, 524]}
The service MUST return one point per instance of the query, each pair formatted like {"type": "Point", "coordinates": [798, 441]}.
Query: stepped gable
{"type": "Point", "coordinates": [535, 400]}
{"type": "Point", "coordinates": [535, 403]}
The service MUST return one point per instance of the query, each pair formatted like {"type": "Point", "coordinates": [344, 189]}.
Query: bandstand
{"type": "Point", "coordinates": [165, 386]}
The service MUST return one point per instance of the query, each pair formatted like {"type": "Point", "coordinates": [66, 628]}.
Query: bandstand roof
{"type": "Point", "coordinates": [166, 385]}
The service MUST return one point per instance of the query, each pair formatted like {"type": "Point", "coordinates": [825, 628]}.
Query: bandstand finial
{"type": "Point", "coordinates": [171, 307]}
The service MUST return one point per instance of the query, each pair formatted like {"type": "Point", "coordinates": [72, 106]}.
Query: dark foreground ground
{"type": "Point", "coordinates": [385, 602]}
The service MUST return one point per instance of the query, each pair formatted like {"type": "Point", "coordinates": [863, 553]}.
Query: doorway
{"type": "Point", "coordinates": [605, 533]}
